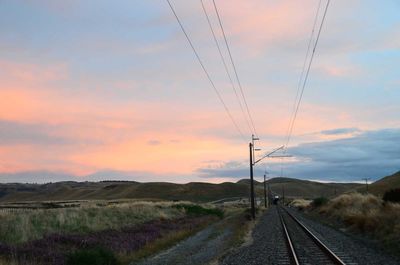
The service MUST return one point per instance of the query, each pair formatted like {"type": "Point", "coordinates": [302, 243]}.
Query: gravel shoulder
{"type": "Point", "coordinates": [205, 247]}
{"type": "Point", "coordinates": [268, 245]}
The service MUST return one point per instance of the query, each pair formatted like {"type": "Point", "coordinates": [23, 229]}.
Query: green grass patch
{"type": "Point", "coordinates": [197, 210]}
{"type": "Point", "coordinates": [98, 256]}
{"type": "Point", "coordinates": [320, 201]}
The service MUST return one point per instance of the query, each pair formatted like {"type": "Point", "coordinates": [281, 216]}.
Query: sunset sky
{"type": "Point", "coordinates": [93, 90]}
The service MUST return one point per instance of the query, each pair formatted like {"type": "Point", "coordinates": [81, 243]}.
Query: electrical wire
{"type": "Point", "coordinates": [303, 70]}
{"type": "Point", "coordinates": [307, 74]}
{"type": "Point", "coordinates": [205, 71]}
{"type": "Point", "coordinates": [225, 65]}
{"type": "Point", "coordinates": [234, 68]}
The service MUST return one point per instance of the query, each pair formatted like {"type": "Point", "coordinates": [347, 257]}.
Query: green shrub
{"type": "Point", "coordinates": [392, 195]}
{"type": "Point", "coordinates": [197, 210]}
{"type": "Point", "coordinates": [318, 202]}
{"type": "Point", "coordinates": [97, 256]}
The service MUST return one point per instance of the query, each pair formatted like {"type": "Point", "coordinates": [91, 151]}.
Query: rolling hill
{"type": "Point", "coordinates": [193, 191]}
{"type": "Point", "coordinates": [384, 184]}
{"type": "Point", "coordinates": [296, 188]}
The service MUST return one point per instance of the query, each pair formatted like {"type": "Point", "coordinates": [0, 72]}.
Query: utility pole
{"type": "Point", "coordinates": [253, 161]}
{"type": "Point", "coordinates": [265, 190]}
{"type": "Point", "coordinates": [269, 194]}
{"type": "Point", "coordinates": [366, 183]}
{"type": "Point", "coordinates": [253, 210]}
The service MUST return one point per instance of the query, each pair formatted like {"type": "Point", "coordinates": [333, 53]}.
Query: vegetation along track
{"type": "Point", "coordinates": [303, 246]}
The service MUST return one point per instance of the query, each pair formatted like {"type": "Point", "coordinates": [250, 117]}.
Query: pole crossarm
{"type": "Point", "coordinates": [269, 154]}
{"type": "Point", "coordinates": [280, 156]}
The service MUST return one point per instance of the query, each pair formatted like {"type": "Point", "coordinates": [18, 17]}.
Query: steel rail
{"type": "Point", "coordinates": [293, 254]}
{"type": "Point", "coordinates": [332, 256]}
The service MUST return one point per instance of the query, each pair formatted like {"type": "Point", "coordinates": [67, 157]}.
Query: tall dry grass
{"type": "Point", "coordinates": [300, 203]}
{"type": "Point", "coordinates": [22, 226]}
{"type": "Point", "coordinates": [366, 214]}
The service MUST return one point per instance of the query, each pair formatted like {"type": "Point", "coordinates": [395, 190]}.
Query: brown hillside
{"type": "Point", "coordinates": [384, 184]}
{"type": "Point", "coordinates": [194, 191]}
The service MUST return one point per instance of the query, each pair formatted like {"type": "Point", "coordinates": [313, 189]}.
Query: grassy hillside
{"type": "Point", "coordinates": [384, 184]}
{"type": "Point", "coordinates": [296, 188]}
{"type": "Point", "coordinates": [194, 191]}
{"type": "Point", "coordinates": [200, 192]}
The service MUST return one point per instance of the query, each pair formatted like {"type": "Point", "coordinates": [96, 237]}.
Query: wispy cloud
{"type": "Point", "coordinates": [340, 131]}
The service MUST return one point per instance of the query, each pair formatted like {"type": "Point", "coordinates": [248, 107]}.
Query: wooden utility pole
{"type": "Point", "coordinates": [366, 183]}
{"type": "Point", "coordinates": [253, 209]}
{"type": "Point", "coordinates": [253, 161]}
{"type": "Point", "coordinates": [265, 190]}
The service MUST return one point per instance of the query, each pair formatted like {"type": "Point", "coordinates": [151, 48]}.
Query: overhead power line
{"type": "Point", "coordinates": [302, 70]}
{"type": "Point", "coordinates": [205, 71]}
{"type": "Point", "coordinates": [225, 66]}
{"type": "Point", "coordinates": [234, 68]}
{"type": "Point", "coordinates": [307, 74]}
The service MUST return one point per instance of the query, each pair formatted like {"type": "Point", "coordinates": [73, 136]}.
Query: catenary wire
{"type": "Point", "coordinates": [234, 68]}
{"type": "Point", "coordinates": [303, 70]}
{"type": "Point", "coordinates": [307, 74]}
{"type": "Point", "coordinates": [225, 66]}
{"type": "Point", "coordinates": [205, 70]}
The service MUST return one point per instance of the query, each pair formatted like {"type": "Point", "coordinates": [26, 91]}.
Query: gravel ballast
{"type": "Point", "coordinates": [269, 246]}
{"type": "Point", "coordinates": [358, 251]}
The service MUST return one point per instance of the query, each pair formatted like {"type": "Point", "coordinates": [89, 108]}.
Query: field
{"type": "Point", "coordinates": [367, 215]}
{"type": "Point", "coordinates": [114, 231]}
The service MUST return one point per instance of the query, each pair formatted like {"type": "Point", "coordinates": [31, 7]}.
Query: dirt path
{"type": "Point", "coordinates": [202, 248]}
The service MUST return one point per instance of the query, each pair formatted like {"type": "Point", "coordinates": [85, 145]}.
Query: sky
{"type": "Point", "coordinates": [95, 90]}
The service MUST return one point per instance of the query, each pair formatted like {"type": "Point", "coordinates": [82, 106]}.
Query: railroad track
{"type": "Point", "coordinates": [303, 246]}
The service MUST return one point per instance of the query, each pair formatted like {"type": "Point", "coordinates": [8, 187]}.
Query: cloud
{"type": "Point", "coordinates": [78, 95]}
{"type": "Point", "coordinates": [340, 131]}
{"type": "Point", "coordinates": [369, 154]}
{"type": "Point", "coordinates": [154, 142]}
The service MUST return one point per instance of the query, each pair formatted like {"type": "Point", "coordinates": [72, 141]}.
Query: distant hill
{"type": "Point", "coordinates": [384, 184]}
{"type": "Point", "coordinates": [247, 182]}
{"type": "Point", "coordinates": [194, 191]}
{"type": "Point", "coordinates": [201, 192]}
{"type": "Point", "coordinates": [297, 188]}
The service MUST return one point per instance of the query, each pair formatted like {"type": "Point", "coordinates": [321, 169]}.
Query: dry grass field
{"type": "Point", "coordinates": [20, 225]}
{"type": "Point", "coordinates": [112, 230]}
{"type": "Point", "coordinates": [366, 214]}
